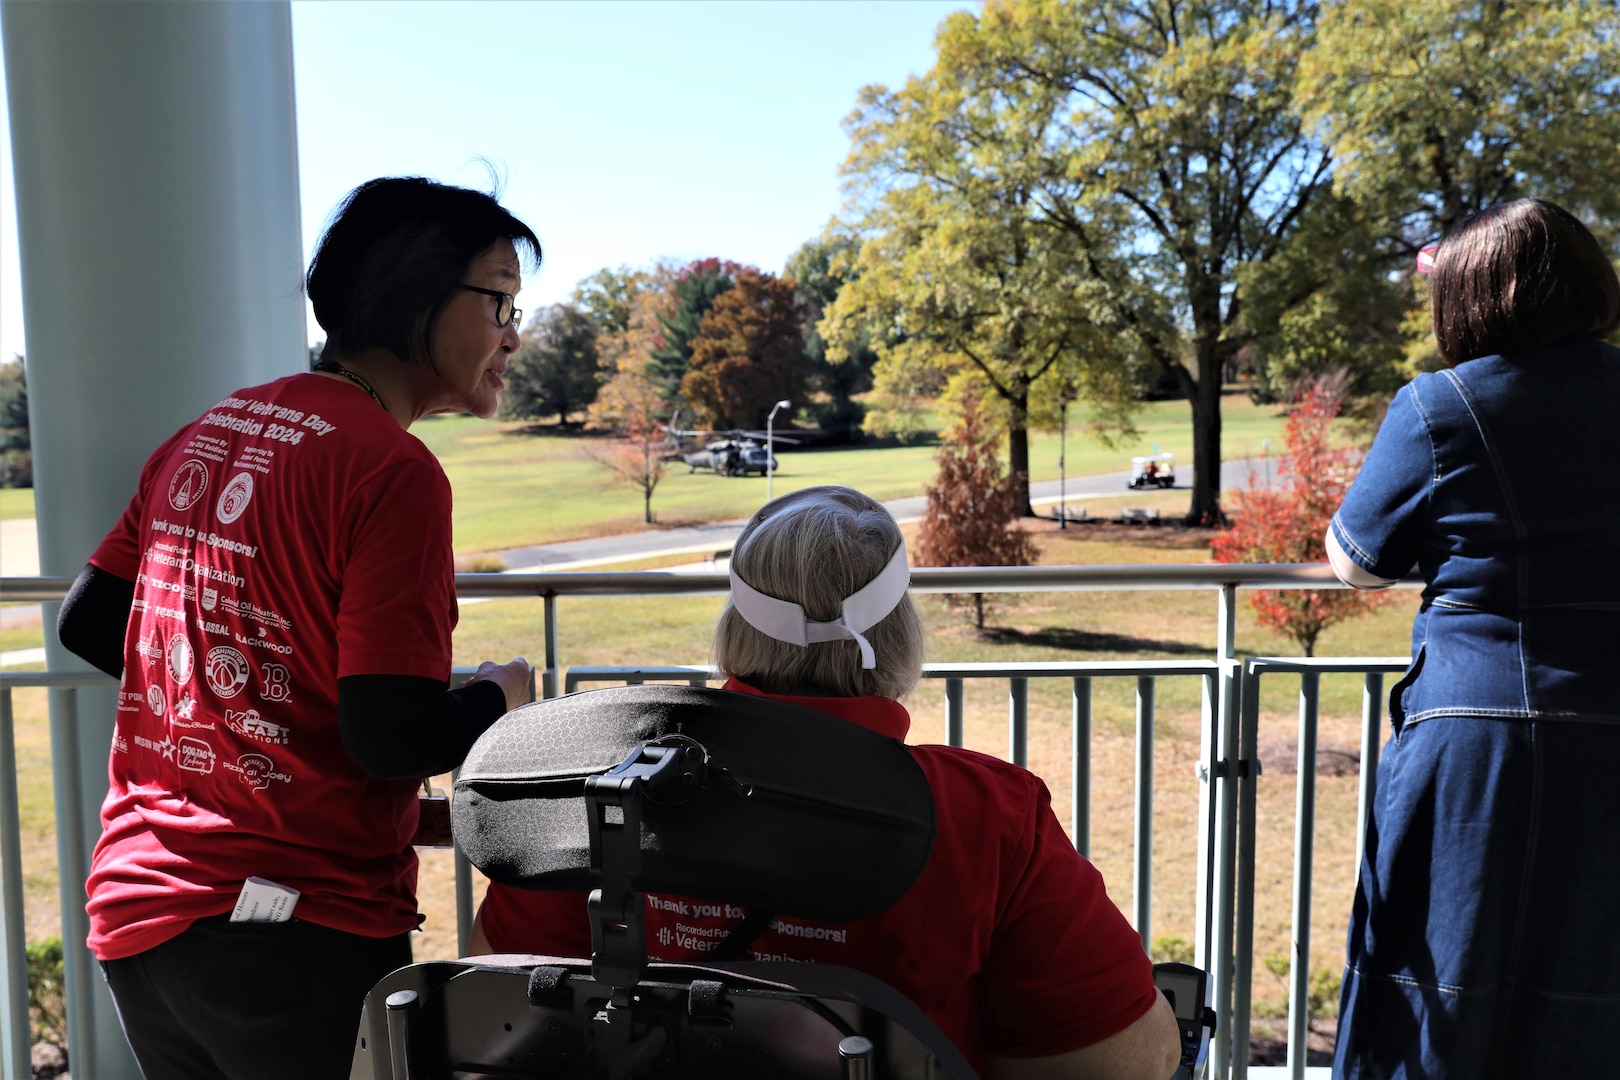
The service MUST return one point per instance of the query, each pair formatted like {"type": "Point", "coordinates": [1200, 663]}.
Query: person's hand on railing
{"type": "Point", "coordinates": [514, 677]}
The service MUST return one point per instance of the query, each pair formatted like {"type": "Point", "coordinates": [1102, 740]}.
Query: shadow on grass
{"type": "Point", "coordinates": [1072, 640]}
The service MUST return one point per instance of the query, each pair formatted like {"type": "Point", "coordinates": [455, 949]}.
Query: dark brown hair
{"type": "Point", "coordinates": [392, 255]}
{"type": "Point", "coordinates": [1517, 276]}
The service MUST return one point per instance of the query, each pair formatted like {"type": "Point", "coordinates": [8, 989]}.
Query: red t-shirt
{"type": "Point", "coordinates": [1007, 940]}
{"type": "Point", "coordinates": [292, 535]}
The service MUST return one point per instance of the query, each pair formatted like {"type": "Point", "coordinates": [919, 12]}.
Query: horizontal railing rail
{"type": "Point", "coordinates": [1227, 771]}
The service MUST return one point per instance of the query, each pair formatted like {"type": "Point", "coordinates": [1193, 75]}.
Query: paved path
{"type": "Point", "coordinates": [712, 539]}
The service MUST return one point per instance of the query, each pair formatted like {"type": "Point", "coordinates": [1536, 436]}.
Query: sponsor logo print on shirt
{"type": "Point", "coordinates": [187, 485]}
{"type": "Point", "coordinates": [152, 650]}
{"type": "Point", "coordinates": [277, 682]}
{"type": "Point", "coordinates": [250, 725]}
{"type": "Point", "coordinates": [181, 659]}
{"type": "Point", "coordinates": [233, 501]}
{"type": "Point", "coordinates": [257, 771]}
{"type": "Point", "coordinates": [166, 748]}
{"type": "Point", "coordinates": [210, 598]}
{"type": "Point", "coordinates": [120, 745]}
{"type": "Point", "coordinates": [155, 700]}
{"type": "Point", "coordinates": [195, 755]}
{"type": "Point", "coordinates": [184, 707]}
{"type": "Point", "coordinates": [227, 671]}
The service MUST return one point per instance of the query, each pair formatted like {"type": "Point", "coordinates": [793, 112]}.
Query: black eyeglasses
{"type": "Point", "coordinates": [505, 313]}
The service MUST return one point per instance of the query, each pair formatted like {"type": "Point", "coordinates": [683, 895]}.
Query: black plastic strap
{"type": "Point", "coordinates": [742, 935]}
{"type": "Point", "coordinates": [706, 1000]}
{"type": "Point", "coordinates": [544, 984]}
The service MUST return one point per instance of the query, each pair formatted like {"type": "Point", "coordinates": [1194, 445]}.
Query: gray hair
{"type": "Point", "coordinates": [815, 547]}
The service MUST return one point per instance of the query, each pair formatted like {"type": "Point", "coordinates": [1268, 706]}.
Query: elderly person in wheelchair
{"type": "Point", "coordinates": [1005, 938]}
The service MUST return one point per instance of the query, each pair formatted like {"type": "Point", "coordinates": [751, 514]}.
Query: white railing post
{"type": "Point", "coordinates": [1372, 737]}
{"type": "Point", "coordinates": [1299, 967]}
{"type": "Point", "coordinates": [1080, 786]}
{"type": "Point", "coordinates": [1222, 792]}
{"type": "Point", "coordinates": [15, 1035]}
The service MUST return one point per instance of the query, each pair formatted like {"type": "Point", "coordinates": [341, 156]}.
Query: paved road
{"type": "Point", "coordinates": [709, 540]}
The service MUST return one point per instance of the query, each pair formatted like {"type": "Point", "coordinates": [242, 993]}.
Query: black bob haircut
{"type": "Point", "coordinates": [392, 255]}
{"type": "Point", "coordinates": [1517, 276]}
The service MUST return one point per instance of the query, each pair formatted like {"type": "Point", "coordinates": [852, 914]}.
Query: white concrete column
{"type": "Point", "coordinates": [156, 168]}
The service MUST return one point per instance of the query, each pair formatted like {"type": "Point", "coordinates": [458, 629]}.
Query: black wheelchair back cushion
{"type": "Point", "coordinates": [799, 813]}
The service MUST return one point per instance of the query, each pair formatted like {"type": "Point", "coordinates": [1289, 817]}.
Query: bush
{"type": "Point", "coordinates": [1321, 989]}
{"type": "Point", "coordinates": [16, 469]}
{"type": "Point", "coordinates": [47, 992]}
{"type": "Point", "coordinates": [1171, 949]}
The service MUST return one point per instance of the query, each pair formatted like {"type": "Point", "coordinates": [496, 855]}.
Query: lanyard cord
{"type": "Point", "coordinates": [334, 368]}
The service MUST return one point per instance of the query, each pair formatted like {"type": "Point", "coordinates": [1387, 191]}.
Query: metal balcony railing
{"type": "Point", "coordinates": [1228, 772]}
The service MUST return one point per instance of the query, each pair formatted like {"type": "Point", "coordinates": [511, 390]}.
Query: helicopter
{"type": "Point", "coordinates": [733, 453]}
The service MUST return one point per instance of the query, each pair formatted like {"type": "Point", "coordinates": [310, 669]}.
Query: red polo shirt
{"type": "Point", "coordinates": [1007, 940]}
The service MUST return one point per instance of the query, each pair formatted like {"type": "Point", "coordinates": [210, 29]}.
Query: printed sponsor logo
{"type": "Point", "coordinates": [195, 755]}
{"type": "Point", "coordinates": [178, 587]}
{"type": "Point", "coordinates": [215, 627]}
{"type": "Point", "coordinates": [257, 770]}
{"type": "Point", "coordinates": [233, 501]}
{"type": "Point", "coordinates": [262, 643]}
{"type": "Point", "coordinates": [277, 684]}
{"type": "Point", "coordinates": [250, 725]}
{"type": "Point", "coordinates": [181, 659]}
{"type": "Point", "coordinates": [246, 609]}
{"type": "Point", "coordinates": [187, 485]}
{"type": "Point", "coordinates": [227, 670]}
{"type": "Point", "coordinates": [155, 700]}
{"type": "Point", "coordinates": [166, 748]}
{"type": "Point", "coordinates": [152, 650]}
{"type": "Point", "coordinates": [119, 745]}
{"type": "Point", "coordinates": [183, 708]}
{"type": "Point", "coordinates": [210, 598]}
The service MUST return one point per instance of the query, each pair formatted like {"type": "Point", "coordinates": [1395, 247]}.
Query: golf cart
{"type": "Point", "coordinates": [1155, 470]}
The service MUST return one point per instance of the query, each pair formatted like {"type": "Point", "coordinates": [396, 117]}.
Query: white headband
{"type": "Point", "coordinates": [786, 621]}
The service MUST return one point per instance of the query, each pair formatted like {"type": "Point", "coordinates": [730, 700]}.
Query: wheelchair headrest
{"type": "Point", "coordinates": [799, 813]}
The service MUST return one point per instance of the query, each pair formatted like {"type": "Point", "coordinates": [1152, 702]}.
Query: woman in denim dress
{"type": "Point", "coordinates": [1485, 939]}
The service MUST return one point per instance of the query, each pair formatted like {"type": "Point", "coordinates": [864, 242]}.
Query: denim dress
{"type": "Point", "coordinates": [1485, 938]}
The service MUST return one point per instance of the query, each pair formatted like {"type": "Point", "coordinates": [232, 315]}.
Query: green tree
{"type": "Point", "coordinates": [1439, 109]}
{"type": "Point", "coordinates": [693, 291]}
{"type": "Point", "coordinates": [1177, 163]}
{"type": "Point", "coordinates": [1152, 148]}
{"type": "Point", "coordinates": [606, 296]}
{"type": "Point", "coordinates": [820, 269]}
{"type": "Point", "coordinates": [1436, 110]}
{"type": "Point", "coordinates": [959, 268]}
{"type": "Point", "coordinates": [16, 454]}
{"type": "Point", "coordinates": [555, 370]}
{"type": "Point", "coordinates": [748, 352]}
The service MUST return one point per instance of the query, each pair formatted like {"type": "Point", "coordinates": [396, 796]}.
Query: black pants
{"type": "Point", "coordinates": [239, 1001]}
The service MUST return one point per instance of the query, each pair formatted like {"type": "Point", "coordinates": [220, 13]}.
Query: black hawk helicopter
{"type": "Point", "coordinates": [728, 453]}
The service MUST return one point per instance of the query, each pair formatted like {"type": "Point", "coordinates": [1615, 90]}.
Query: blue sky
{"type": "Point", "coordinates": [624, 131]}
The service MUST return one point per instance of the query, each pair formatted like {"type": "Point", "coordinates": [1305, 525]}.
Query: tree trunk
{"type": "Point", "coordinates": [978, 611]}
{"type": "Point", "coordinates": [1205, 397]}
{"type": "Point", "coordinates": [646, 505]}
{"type": "Point", "coordinates": [1018, 444]}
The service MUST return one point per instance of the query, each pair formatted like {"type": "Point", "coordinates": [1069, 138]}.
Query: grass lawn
{"type": "Point", "coordinates": [516, 484]}
{"type": "Point", "coordinates": [16, 503]}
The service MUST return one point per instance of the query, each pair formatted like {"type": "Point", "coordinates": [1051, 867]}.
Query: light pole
{"type": "Point", "coordinates": [1063, 452]}
{"type": "Point", "coordinates": [770, 449]}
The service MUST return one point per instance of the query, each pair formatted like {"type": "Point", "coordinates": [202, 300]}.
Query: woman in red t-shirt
{"type": "Point", "coordinates": [1007, 940]}
{"type": "Point", "coordinates": [278, 601]}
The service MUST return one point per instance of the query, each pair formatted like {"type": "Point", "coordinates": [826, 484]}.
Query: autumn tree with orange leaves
{"type": "Point", "coordinates": [1288, 523]}
{"type": "Point", "coordinates": [748, 353]}
{"type": "Point", "coordinates": [971, 506]}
